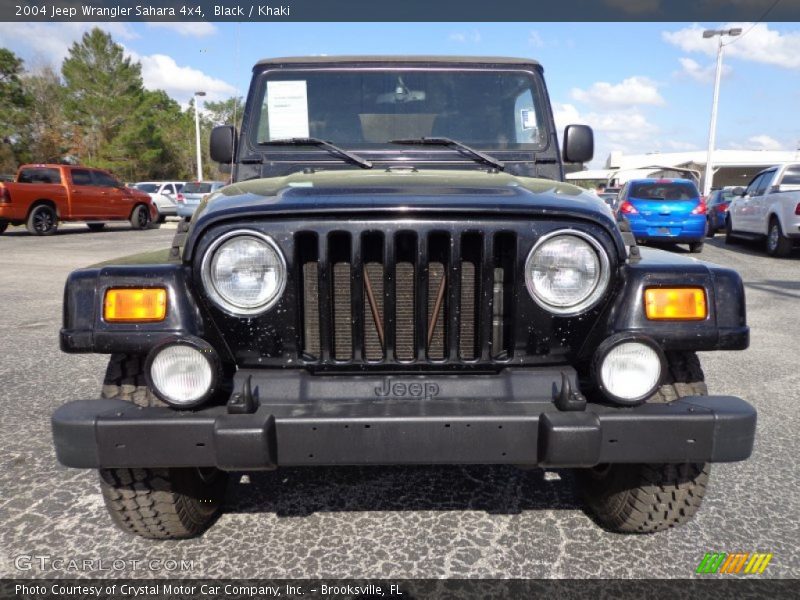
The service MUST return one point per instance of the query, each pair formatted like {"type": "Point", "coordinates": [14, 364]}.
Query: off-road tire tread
{"type": "Point", "coordinates": [158, 503]}
{"type": "Point", "coordinates": [646, 498]}
{"type": "Point", "coordinates": [684, 377]}
{"type": "Point", "coordinates": [125, 380]}
{"type": "Point", "coordinates": [154, 503]}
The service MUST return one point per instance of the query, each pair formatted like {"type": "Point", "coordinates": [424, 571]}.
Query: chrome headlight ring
{"type": "Point", "coordinates": [584, 301]}
{"type": "Point", "coordinates": [225, 302]}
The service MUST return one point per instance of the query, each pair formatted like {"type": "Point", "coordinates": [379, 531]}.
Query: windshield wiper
{"type": "Point", "coordinates": [443, 141]}
{"type": "Point", "coordinates": [310, 141]}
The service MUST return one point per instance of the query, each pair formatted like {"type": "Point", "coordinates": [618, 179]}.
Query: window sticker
{"type": "Point", "coordinates": [287, 107]}
{"type": "Point", "coordinates": [528, 118]}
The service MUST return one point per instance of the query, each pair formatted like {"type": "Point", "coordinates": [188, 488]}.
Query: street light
{"type": "Point", "coordinates": [712, 131]}
{"type": "Point", "coordinates": [197, 134]}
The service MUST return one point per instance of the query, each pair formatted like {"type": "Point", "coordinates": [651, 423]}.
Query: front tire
{"type": "Point", "coordinates": [43, 220]}
{"type": "Point", "coordinates": [710, 231]}
{"type": "Point", "coordinates": [3, 226]}
{"type": "Point", "coordinates": [645, 498]}
{"type": "Point", "coordinates": [166, 503]}
{"type": "Point", "coordinates": [140, 217]}
{"type": "Point", "coordinates": [778, 245]}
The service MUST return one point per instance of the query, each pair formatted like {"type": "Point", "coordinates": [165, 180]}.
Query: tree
{"type": "Point", "coordinates": [103, 89]}
{"type": "Point", "coordinates": [47, 130]}
{"type": "Point", "coordinates": [14, 103]}
{"type": "Point", "coordinates": [149, 145]}
{"type": "Point", "coordinates": [225, 112]}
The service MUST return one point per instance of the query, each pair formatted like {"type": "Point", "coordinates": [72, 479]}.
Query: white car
{"type": "Point", "coordinates": [768, 209]}
{"type": "Point", "coordinates": [164, 195]}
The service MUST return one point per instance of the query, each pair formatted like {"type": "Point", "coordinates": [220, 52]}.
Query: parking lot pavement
{"type": "Point", "coordinates": [416, 522]}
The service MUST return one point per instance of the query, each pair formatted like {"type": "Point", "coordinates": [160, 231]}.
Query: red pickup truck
{"type": "Point", "coordinates": [43, 195]}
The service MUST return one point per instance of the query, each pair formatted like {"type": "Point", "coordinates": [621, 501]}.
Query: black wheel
{"type": "Point", "coordinates": [42, 220]}
{"type": "Point", "coordinates": [3, 226]}
{"type": "Point", "coordinates": [161, 218]}
{"type": "Point", "coordinates": [140, 217]}
{"type": "Point", "coordinates": [710, 231]}
{"type": "Point", "coordinates": [696, 247]}
{"type": "Point", "coordinates": [95, 226]}
{"type": "Point", "coordinates": [777, 243]}
{"type": "Point", "coordinates": [730, 238]}
{"type": "Point", "coordinates": [167, 503]}
{"type": "Point", "coordinates": [645, 498]}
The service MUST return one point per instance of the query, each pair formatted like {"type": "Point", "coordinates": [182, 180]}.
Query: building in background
{"type": "Point", "coordinates": [732, 167]}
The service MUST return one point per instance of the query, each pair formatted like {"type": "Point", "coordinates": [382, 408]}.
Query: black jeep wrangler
{"type": "Point", "coordinates": [398, 275]}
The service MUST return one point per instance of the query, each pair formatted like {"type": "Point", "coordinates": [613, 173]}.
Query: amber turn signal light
{"type": "Point", "coordinates": [135, 305]}
{"type": "Point", "coordinates": [687, 304]}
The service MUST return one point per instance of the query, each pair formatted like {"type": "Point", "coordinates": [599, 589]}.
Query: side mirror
{"type": "Point", "coordinates": [223, 141]}
{"type": "Point", "coordinates": [578, 144]}
{"type": "Point", "coordinates": [738, 191]}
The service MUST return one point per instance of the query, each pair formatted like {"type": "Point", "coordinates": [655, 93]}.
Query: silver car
{"type": "Point", "coordinates": [164, 195]}
{"type": "Point", "coordinates": [193, 193]}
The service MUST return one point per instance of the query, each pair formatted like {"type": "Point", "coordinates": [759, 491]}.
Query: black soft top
{"type": "Point", "coordinates": [404, 59]}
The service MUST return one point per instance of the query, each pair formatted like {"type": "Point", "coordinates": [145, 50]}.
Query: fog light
{"type": "Point", "coordinates": [629, 370]}
{"type": "Point", "coordinates": [181, 374]}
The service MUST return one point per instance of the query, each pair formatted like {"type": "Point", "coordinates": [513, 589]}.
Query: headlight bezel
{"type": "Point", "coordinates": [600, 287]}
{"type": "Point", "coordinates": [217, 298]}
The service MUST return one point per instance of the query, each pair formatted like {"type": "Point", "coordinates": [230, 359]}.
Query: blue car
{"type": "Point", "coordinates": [665, 211]}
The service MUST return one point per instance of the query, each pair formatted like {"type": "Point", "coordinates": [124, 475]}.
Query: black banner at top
{"type": "Point", "coordinates": [400, 10]}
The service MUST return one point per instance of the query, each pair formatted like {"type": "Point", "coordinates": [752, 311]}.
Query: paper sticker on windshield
{"type": "Point", "coordinates": [287, 107]}
{"type": "Point", "coordinates": [528, 118]}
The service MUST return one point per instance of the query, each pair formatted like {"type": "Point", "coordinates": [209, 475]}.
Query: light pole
{"type": "Point", "coordinates": [712, 130]}
{"type": "Point", "coordinates": [197, 134]}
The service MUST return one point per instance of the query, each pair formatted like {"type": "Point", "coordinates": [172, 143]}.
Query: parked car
{"type": "Point", "coordinates": [717, 208]}
{"type": "Point", "coordinates": [664, 210]}
{"type": "Point", "coordinates": [401, 303]}
{"type": "Point", "coordinates": [164, 195]}
{"type": "Point", "coordinates": [193, 193]}
{"type": "Point", "coordinates": [609, 198]}
{"type": "Point", "coordinates": [43, 195]}
{"type": "Point", "coordinates": [768, 209]}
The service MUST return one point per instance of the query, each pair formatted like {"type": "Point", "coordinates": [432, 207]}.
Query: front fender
{"type": "Point", "coordinates": [85, 330]}
{"type": "Point", "coordinates": [725, 327]}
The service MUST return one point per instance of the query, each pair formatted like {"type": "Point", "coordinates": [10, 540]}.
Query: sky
{"type": "Point", "coordinates": [643, 87]}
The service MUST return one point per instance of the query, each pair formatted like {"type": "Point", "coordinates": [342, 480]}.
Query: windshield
{"type": "Point", "coordinates": [670, 190]}
{"type": "Point", "coordinates": [197, 187]}
{"type": "Point", "coordinates": [150, 188]}
{"type": "Point", "coordinates": [366, 109]}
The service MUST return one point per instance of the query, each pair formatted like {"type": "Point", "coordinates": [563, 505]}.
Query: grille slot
{"type": "Point", "coordinates": [399, 296]}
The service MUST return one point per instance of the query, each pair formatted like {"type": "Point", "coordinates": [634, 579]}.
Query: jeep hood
{"type": "Point", "coordinates": [399, 192]}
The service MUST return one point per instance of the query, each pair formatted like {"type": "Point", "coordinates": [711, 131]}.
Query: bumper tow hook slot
{"type": "Point", "coordinates": [566, 398]}
{"type": "Point", "coordinates": [243, 402]}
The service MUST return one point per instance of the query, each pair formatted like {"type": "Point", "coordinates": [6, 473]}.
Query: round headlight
{"type": "Point", "coordinates": [244, 272]}
{"type": "Point", "coordinates": [181, 374]}
{"type": "Point", "coordinates": [630, 371]}
{"type": "Point", "coordinates": [567, 272]}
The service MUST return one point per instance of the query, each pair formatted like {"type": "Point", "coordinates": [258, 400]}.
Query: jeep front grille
{"type": "Point", "coordinates": [398, 296]}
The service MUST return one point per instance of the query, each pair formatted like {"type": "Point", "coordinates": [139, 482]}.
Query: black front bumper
{"type": "Point", "coordinates": [496, 427]}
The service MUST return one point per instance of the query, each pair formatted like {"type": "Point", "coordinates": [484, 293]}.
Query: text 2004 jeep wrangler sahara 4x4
{"type": "Point", "coordinates": [398, 275]}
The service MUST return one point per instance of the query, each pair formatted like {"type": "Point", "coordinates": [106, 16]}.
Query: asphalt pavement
{"type": "Point", "coordinates": [397, 522]}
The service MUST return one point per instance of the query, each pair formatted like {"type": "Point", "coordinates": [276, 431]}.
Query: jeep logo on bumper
{"type": "Point", "coordinates": [425, 390]}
